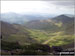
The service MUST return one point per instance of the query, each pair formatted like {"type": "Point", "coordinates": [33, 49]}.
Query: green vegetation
{"type": "Point", "coordinates": [41, 36]}
{"type": "Point", "coordinates": [22, 39]}
{"type": "Point", "coordinates": [56, 39]}
{"type": "Point", "coordinates": [14, 48]}
{"type": "Point", "coordinates": [61, 40]}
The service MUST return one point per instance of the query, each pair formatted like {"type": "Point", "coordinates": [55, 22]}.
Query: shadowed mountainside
{"type": "Point", "coordinates": [15, 33]}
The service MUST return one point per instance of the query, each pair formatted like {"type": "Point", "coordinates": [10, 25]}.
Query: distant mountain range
{"type": "Point", "coordinates": [22, 18]}
{"type": "Point", "coordinates": [52, 24]}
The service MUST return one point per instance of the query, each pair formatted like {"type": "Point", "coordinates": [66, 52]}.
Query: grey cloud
{"type": "Point", "coordinates": [64, 3]}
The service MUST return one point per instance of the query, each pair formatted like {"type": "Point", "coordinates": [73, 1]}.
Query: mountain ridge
{"type": "Point", "coordinates": [15, 33]}
{"type": "Point", "coordinates": [61, 22]}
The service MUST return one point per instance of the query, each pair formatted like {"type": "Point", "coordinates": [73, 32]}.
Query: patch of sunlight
{"type": "Point", "coordinates": [59, 24]}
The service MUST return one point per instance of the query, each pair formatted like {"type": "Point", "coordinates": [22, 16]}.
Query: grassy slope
{"type": "Point", "coordinates": [21, 35]}
{"type": "Point", "coordinates": [57, 38]}
{"type": "Point", "coordinates": [60, 36]}
{"type": "Point", "coordinates": [25, 35]}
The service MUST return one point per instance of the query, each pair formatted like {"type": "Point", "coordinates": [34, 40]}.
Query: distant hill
{"type": "Point", "coordinates": [58, 23]}
{"type": "Point", "coordinates": [21, 18]}
{"type": "Point", "coordinates": [63, 18]}
{"type": "Point", "coordinates": [67, 23]}
{"type": "Point", "coordinates": [41, 25]}
{"type": "Point", "coordinates": [15, 33]}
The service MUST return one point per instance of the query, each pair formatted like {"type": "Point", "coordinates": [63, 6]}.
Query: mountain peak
{"type": "Point", "coordinates": [66, 15]}
{"type": "Point", "coordinates": [61, 17]}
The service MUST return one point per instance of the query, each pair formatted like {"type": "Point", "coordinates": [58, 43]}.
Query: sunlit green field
{"type": "Point", "coordinates": [57, 38]}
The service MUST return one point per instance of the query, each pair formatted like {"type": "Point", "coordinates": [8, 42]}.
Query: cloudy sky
{"type": "Point", "coordinates": [38, 7]}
